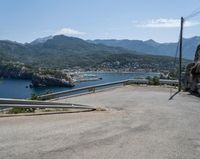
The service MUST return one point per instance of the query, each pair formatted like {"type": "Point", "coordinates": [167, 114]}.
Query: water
{"type": "Point", "coordinates": [10, 88]}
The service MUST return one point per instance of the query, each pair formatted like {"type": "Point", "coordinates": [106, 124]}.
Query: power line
{"type": "Point", "coordinates": [193, 14]}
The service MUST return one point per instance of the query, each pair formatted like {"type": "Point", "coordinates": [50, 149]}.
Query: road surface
{"type": "Point", "coordinates": [140, 123]}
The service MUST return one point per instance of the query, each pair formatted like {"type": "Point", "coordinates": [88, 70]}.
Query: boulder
{"type": "Point", "coordinates": [197, 54]}
{"type": "Point", "coordinates": [192, 75]}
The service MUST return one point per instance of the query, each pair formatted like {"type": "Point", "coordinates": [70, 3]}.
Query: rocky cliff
{"type": "Point", "coordinates": [38, 77]}
{"type": "Point", "coordinates": [15, 71]}
{"type": "Point", "coordinates": [192, 75]}
{"type": "Point", "coordinates": [47, 80]}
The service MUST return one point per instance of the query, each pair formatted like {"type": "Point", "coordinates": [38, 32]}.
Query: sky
{"type": "Point", "coordinates": [26, 20]}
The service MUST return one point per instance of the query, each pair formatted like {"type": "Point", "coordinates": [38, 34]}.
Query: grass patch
{"type": "Point", "coordinates": [17, 110]}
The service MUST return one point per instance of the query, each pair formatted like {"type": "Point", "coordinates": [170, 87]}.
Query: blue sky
{"type": "Point", "coordinates": [26, 20]}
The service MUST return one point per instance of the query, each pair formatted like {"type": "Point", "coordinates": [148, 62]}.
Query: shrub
{"type": "Point", "coordinates": [153, 81]}
{"type": "Point", "coordinates": [17, 110]}
{"type": "Point", "coordinates": [34, 96]}
{"type": "Point", "coordinates": [156, 80]}
{"type": "Point", "coordinates": [92, 89]}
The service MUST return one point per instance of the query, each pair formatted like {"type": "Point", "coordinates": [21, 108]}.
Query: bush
{"type": "Point", "coordinates": [156, 80]}
{"type": "Point", "coordinates": [34, 96]}
{"type": "Point", "coordinates": [92, 89]}
{"type": "Point", "coordinates": [153, 81]}
{"type": "Point", "coordinates": [17, 110]}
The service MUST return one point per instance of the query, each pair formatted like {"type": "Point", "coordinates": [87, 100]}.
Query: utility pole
{"type": "Point", "coordinates": [180, 55]}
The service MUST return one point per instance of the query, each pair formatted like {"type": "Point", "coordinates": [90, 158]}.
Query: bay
{"type": "Point", "coordinates": [19, 89]}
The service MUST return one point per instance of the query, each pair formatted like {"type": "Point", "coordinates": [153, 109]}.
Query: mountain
{"type": "Point", "coordinates": [15, 51]}
{"type": "Point", "coordinates": [153, 47]}
{"type": "Point", "coordinates": [41, 40]}
{"type": "Point", "coordinates": [69, 52]}
{"type": "Point", "coordinates": [58, 51]}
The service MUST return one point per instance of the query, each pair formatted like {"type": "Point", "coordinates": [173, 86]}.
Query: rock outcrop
{"type": "Point", "coordinates": [192, 75]}
{"type": "Point", "coordinates": [47, 80]}
{"type": "Point", "coordinates": [15, 72]}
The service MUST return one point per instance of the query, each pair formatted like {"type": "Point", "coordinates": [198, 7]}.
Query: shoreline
{"type": "Point", "coordinates": [24, 92]}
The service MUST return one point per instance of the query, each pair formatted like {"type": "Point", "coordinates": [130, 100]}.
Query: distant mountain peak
{"type": "Point", "coordinates": [196, 37]}
{"type": "Point", "coordinates": [150, 41]}
{"type": "Point", "coordinates": [41, 40]}
{"type": "Point", "coordinates": [152, 47]}
{"type": "Point", "coordinates": [64, 37]}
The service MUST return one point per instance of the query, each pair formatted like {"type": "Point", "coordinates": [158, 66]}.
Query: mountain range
{"type": "Point", "coordinates": [153, 47]}
{"type": "Point", "coordinates": [69, 52]}
{"type": "Point", "coordinates": [57, 51]}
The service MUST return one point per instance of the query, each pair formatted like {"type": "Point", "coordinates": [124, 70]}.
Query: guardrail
{"type": "Point", "coordinates": [87, 89]}
{"type": "Point", "coordinates": [95, 87]}
{"type": "Point", "coordinates": [169, 82]}
{"type": "Point", "coordinates": [7, 103]}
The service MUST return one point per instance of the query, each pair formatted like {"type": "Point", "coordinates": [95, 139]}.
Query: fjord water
{"type": "Point", "coordinates": [10, 88]}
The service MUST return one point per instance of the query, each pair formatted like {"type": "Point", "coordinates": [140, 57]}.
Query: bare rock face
{"type": "Point", "coordinates": [192, 75]}
{"type": "Point", "coordinates": [197, 54]}
{"type": "Point", "coordinates": [47, 80]}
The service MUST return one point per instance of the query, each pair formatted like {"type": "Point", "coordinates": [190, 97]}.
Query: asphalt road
{"type": "Point", "coordinates": [140, 123]}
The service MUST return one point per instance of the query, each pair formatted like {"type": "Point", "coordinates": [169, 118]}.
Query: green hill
{"type": "Point", "coordinates": [153, 47]}
{"type": "Point", "coordinates": [68, 52]}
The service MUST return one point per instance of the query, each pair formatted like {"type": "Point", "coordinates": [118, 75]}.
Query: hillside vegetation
{"type": "Point", "coordinates": [153, 47]}
{"type": "Point", "coordinates": [68, 52]}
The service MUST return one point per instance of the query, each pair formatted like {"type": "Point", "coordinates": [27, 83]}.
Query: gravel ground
{"type": "Point", "coordinates": [140, 123]}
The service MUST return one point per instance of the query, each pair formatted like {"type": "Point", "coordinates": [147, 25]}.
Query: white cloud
{"type": "Point", "coordinates": [164, 23]}
{"type": "Point", "coordinates": [69, 31]}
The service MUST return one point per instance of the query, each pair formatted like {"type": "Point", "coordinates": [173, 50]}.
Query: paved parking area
{"type": "Point", "coordinates": [140, 123]}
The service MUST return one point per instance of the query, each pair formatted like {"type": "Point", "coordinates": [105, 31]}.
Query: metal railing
{"type": "Point", "coordinates": [86, 89]}
{"type": "Point", "coordinates": [105, 85]}
{"type": "Point", "coordinates": [5, 103]}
